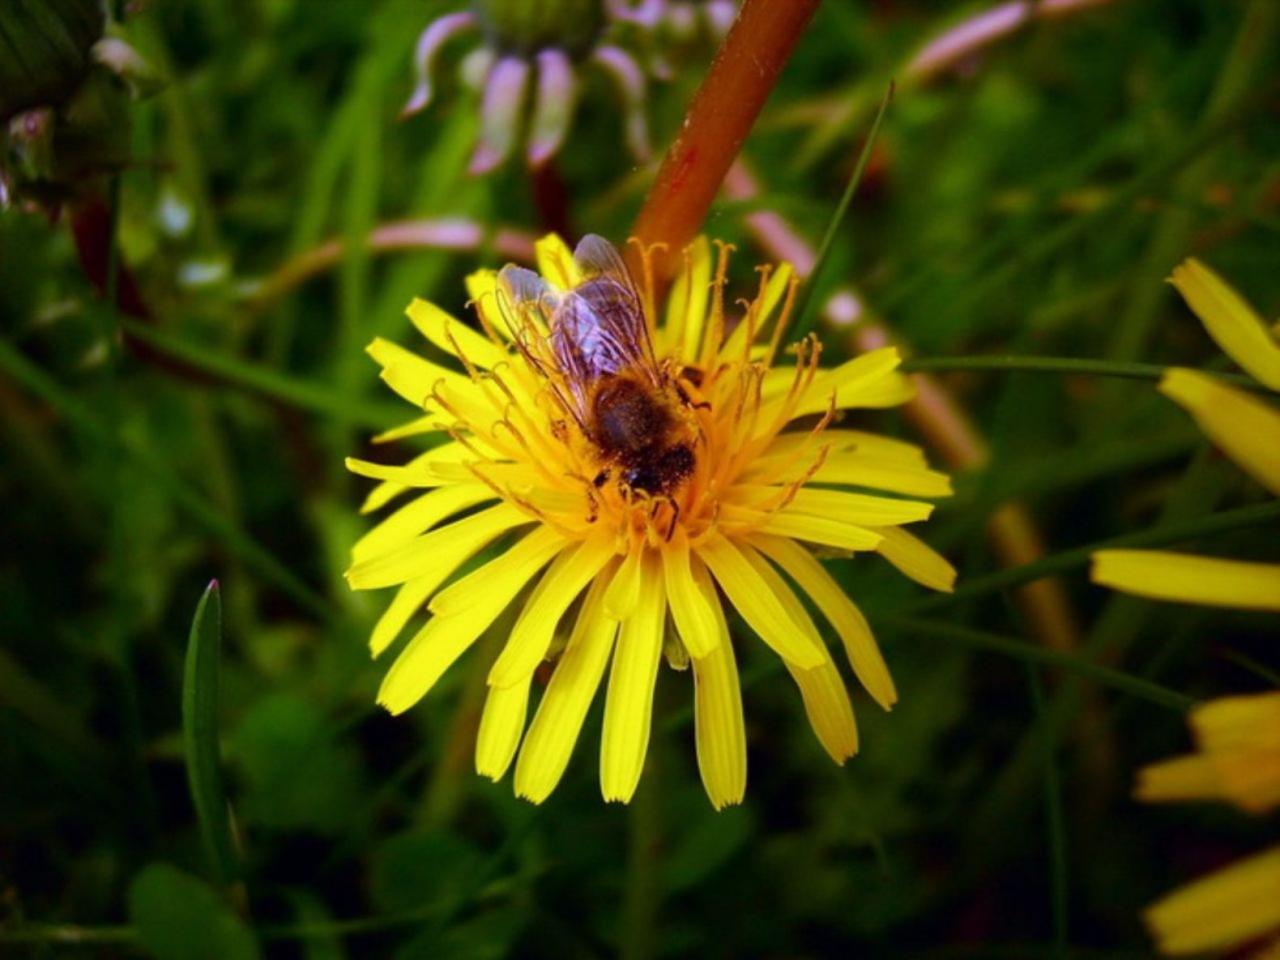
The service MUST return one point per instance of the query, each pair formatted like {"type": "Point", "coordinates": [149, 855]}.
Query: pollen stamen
{"type": "Point", "coordinates": [784, 320]}
{"type": "Point", "coordinates": [715, 332]}
{"type": "Point", "coordinates": [470, 424]}
{"type": "Point", "coordinates": [467, 365]}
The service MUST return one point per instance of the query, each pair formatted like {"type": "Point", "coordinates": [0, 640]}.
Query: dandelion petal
{"type": "Point", "coordinates": [719, 728]}
{"type": "Point", "coordinates": [694, 605]}
{"type": "Point", "coordinates": [501, 724]}
{"type": "Point", "coordinates": [1234, 325]}
{"type": "Point", "coordinates": [1161, 575]}
{"type": "Point", "coordinates": [558, 722]}
{"type": "Point", "coordinates": [628, 712]}
{"type": "Point", "coordinates": [1244, 427]}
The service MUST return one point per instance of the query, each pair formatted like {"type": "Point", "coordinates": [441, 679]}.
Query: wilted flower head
{"type": "Point", "coordinates": [651, 468]}
{"type": "Point", "coordinates": [528, 65]}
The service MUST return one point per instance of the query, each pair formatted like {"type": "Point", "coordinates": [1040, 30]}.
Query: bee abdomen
{"type": "Point", "coordinates": [627, 419]}
{"type": "Point", "coordinates": [659, 470]}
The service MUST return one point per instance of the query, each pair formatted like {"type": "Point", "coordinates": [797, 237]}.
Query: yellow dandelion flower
{"type": "Point", "coordinates": [1244, 427]}
{"type": "Point", "coordinates": [1238, 760]}
{"type": "Point", "coordinates": [629, 469]}
{"type": "Point", "coordinates": [1226, 909]}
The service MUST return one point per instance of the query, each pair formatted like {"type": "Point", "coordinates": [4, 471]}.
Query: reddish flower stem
{"type": "Point", "coordinates": [718, 121]}
{"type": "Point", "coordinates": [90, 222]}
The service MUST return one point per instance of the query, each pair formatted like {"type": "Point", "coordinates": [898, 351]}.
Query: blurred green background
{"type": "Point", "coordinates": [1029, 201]}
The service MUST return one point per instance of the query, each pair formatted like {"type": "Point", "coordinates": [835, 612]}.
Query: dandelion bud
{"type": "Point", "coordinates": [55, 38]}
{"type": "Point", "coordinates": [527, 69]}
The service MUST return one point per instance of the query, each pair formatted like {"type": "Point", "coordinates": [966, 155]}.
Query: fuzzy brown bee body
{"type": "Point", "coordinates": [626, 404]}
{"type": "Point", "coordinates": [631, 426]}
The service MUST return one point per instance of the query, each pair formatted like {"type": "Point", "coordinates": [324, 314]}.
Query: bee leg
{"type": "Point", "coordinates": [688, 401]}
{"type": "Point", "coordinates": [675, 517]}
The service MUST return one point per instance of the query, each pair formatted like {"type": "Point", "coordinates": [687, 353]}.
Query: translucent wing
{"type": "Point", "coordinates": [597, 257]}
{"type": "Point", "coordinates": [599, 328]}
{"type": "Point", "coordinates": [524, 299]}
{"type": "Point", "coordinates": [574, 338]}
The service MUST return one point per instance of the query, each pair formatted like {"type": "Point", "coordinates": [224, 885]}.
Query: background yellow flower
{"type": "Point", "coordinates": [1238, 737]}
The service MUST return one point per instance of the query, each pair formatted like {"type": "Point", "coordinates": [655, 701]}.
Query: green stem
{"type": "Point", "coordinates": [1033, 653]}
{"type": "Point", "coordinates": [1069, 366]}
{"type": "Point", "coordinates": [117, 563]}
{"type": "Point", "coordinates": [69, 934]}
{"type": "Point", "coordinates": [1055, 821]}
{"type": "Point", "coordinates": [1004, 801]}
{"type": "Point", "coordinates": [241, 373]}
{"type": "Point", "coordinates": [640, 907]}
{"type": "Point", "coordinates": [1260, 670]}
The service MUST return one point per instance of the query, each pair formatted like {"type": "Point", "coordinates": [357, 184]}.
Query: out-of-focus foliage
{"type": "Point", "coordinates": [1029, 202]}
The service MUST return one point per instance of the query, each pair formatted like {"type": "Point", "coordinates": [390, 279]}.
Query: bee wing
{"type": "Point", "coordinates": [523, 297]}
{"type": "Point", "coordinates": [608, 295]}
{"type": "Point", "coordinates": [597, 257]}
{"type": "Point", "coordinates": [536, 316]}
{"type": "Point", "coordinates": [573, 339]}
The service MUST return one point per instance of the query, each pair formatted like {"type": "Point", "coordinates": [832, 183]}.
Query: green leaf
{"type": "Point", "coordinates": [704, 841]}
{"type": "Point", "coordinates": [296, 775]}
{"type": "Point", "coordinates": [188, 498]}
{"type": "Point", "coordinates": [200, 734]}
{"type": "Point", "coordinates": [310, 912]}
{"type": "Point", "coordinates": [487, 936]}
{"type": "Point", "coordinates": [422, 867]}
{"type": "Point", "coordinates": [178, 917]}
{"type": "Point", "coordinates": [1033, 653]}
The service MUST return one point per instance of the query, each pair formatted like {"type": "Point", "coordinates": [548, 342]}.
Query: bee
{"type": "Point", "coordinates": [599, 357]}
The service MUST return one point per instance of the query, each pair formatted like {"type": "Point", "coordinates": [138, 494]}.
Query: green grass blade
{"type": "Point", "coordinates": [1259, 670]}
{"type": "Point", "coordinates": [196, 505]}
{"type": "Point", "coordinates": [200, 734]}
{"type": "Point", "coordinates": [1054, 819]}
{"type": "Point", "coordinates": [263, 380]}
{"type": "Point", "coordinates": [1068, 366]}
{"type": "Point", "coordinates": [1032, 653]}
{"type": "Point", "coordinates": [804, 311]}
